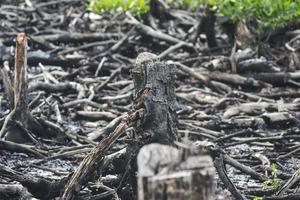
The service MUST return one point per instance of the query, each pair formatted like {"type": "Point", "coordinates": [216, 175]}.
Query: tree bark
{"type": "Point", "coordinates": [19, 112]}
{"type": "Point", "coordinates": [164, 174]}
{"type": "Point", "coordinates": [159, 123]}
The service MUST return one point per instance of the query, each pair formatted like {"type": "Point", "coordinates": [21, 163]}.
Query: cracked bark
{"type": "Point", "coordinates": [159, 123]}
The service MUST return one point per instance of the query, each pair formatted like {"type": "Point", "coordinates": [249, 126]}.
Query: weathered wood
{"type": "Point", "coordinates": [207, 26]}
{"type": "Point", "coordinates": [259, 108]}
{"type": "Point", "coordinates": [159, 120]}
{"type": "Point", "coordinates": [238, 80]}
{"type": "Point", "coordinates": [163, 174]}
{"type": "Point", "coordinates": [40, 188]}
{"type": "Point", "coordinates": [20, 109]}
{"type": "Point", "coordinates": [94, 160]}
{"type": "Point", "coordinates": [14, 192]}
{"type": "Point", "coordinates": [19, 124]}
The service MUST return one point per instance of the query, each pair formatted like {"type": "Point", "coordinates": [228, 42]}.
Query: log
{"type": "Point", "coordinates": [237, 80]}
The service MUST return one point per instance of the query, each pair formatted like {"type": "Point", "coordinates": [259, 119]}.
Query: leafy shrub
{"type": "Point", "coordinates": [267, 13]}
{"type": "Point", "coordinates": [135, 6]}
{"type": "Point", "coordinates": [190, 3]}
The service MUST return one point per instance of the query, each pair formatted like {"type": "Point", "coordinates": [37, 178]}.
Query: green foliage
{"type": "Point", "coordinates": [273, 169]}
{"type": "Point", "coordinates": [135, 6]}
{"type": "Point", "coordinates": [274, 182]}
{"type": "Point", "coordinates": [267, 13]}
{"type": "Point", "coordinates": [257, 198]}
{"type": "Point", "coordinates": [192, 4]}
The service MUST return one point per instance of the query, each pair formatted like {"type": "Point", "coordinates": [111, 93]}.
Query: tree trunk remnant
{"type": "Point", "coordinates": [207, 26]}
{"type": "Point", "coordinates": [19, 113]}
{"type": "Point", "coordinates": [164, 174]}
{"type": "Point", "coordinates": [155, 101]}
{"type": "Point", "coordinates": [159, 123]}
{"type": "Point", "coordinates": [19, 124]}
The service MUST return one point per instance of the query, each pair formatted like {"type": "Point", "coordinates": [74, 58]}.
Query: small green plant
{"type": "Point", "coordinates": [191, 4]}
{"type": "Point", "coordinates": [135, 6]}
{"type": "Point", "coordinates": [257, 198]}
{"type": "Point", "coordinates": [274, 182]}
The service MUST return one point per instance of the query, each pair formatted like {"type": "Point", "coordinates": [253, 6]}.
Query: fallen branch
{"type": "Point", "coordinates": [96, 156]}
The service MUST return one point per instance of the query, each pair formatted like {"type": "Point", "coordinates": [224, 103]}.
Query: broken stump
{"type": "Point", "coordinates": [20, 112]}
{"type": "Point", "coordinates": [162, 174]}
{"type": "Point", "coordinates": [159, 122]}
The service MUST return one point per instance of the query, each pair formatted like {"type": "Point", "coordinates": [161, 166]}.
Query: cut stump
{"type": "Point", "coordinates": [162, 175]}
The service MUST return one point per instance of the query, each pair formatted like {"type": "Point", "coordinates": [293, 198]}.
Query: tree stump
{"type": "Point", "coordinates": [162, 174]}
{"type": "Point", "coordinates": [20, 111]}
{"type": "Point", "coordinates": [159, 123]}
{"type": "Point", "coordinates": [162, 171]}
{"type": "Point", "coordinates": [19, 125]}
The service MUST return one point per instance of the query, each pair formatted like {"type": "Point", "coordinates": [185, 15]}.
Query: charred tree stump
{"type": "Point", "coordinates": [162, 171]}
{"type": "Point", "coordinates": [154, 100]}
{"type": "Point", "coordinates": [164, 174]}
{"type": "Point", "coordinates": [159, 121]}
{"type": "Point", "coordinates": [207, 26]}
{"type": "Point", "coordinates": [19, 113]}
{"type": "Point", "coordinates": [19, 123]}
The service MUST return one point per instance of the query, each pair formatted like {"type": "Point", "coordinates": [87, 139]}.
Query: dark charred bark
{"type": "Point", "coordinates": [19, 124]}
{"type": "Point", "coordinates": [159, 120]}
{"type": "Point", "coordinates": [207, 26]}
{"type": "Point", "coordinates": [20, 111]}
